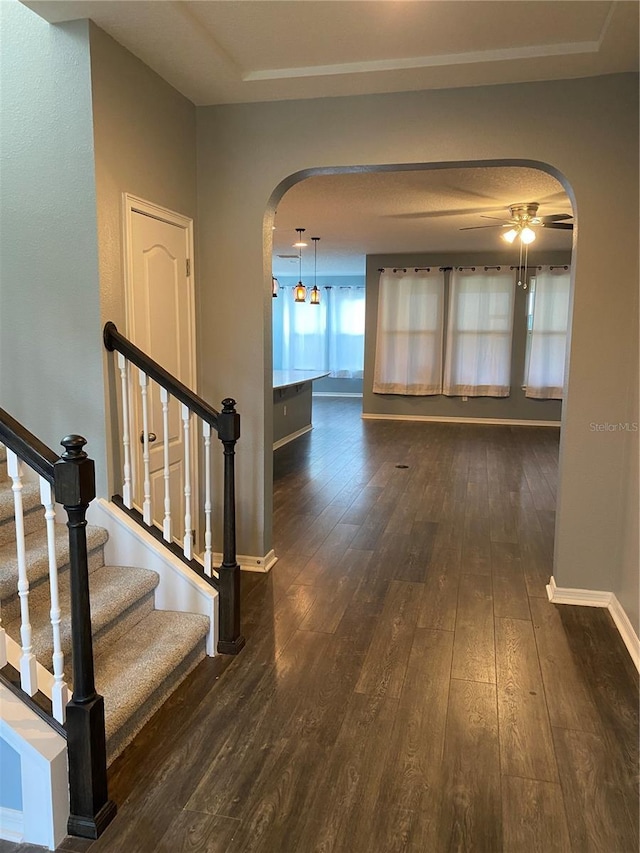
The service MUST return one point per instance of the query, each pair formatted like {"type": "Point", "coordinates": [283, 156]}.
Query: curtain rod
{"type": "Point", "coordinates": [415, 269]}
{"type": "Point", "coordinates": [473, 269]}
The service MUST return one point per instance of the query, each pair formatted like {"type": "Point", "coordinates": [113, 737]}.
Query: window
{"type": "Point", "coordinates": [409, 335]}
{"type": "Point", "coordinates": [479, 331]}
{"type": "Point", "coordinates": [547, 326]}
{"type": "Point", "coordinates": [328, 336]}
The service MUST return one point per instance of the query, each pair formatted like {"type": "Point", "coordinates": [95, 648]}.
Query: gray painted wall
{"type": "Point", "coordinates": [50, 353]}
{"type": "Point", "coordinates": [516, 406]}
{"type": "Point", "coordinates": [10, 777]}
{"type": "Point", "coordinates": [145, 144]}
{"type": "Point", "coordinates": [586, 131]}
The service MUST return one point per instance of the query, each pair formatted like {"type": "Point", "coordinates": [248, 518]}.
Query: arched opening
{"type": "Point", "coordinates": [419, 217]}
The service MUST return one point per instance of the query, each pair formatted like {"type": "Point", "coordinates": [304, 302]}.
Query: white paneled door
{"type": "Point", "coordinates": [161, 323]}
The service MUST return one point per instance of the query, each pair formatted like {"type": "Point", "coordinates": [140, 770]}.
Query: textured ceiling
{"type": "Point", "coordinates": [408, 211]}
{"type": "Point", "coordinates": [232, 51]}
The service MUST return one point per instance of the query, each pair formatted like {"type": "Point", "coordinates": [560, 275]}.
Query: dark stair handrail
{"type": "Point", "coordinates": [227, 425]}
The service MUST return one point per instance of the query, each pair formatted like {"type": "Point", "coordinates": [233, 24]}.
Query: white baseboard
{"type": "Point", "coordinates": [256, 564]}
{"type": "Point", "coordinates": [445, 420]}
{"type": "Point", "coordinates": [291, 437]}
{"type": "Point", "coordinates": [599, 598]}
{"type": "Point", "coordinates": [337, 394]}
{"type": "Point", "coordinates": [11, 825]}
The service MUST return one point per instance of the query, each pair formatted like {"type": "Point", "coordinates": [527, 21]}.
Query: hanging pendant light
{"type": "Point", "coordinates": [274, 286]}
{"type": "Point", "coordinates": [300, 291]}
{"type": "Point", "coordinates": [315, 293]}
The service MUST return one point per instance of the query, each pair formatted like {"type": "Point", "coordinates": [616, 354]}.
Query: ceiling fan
{"type": "Point", "coordinates": [524, 219]}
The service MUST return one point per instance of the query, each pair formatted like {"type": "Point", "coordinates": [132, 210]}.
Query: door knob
{"type": "Point", "coordinates": [151, 437]}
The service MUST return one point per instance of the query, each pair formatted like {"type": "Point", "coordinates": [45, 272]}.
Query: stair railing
{"type": "Point", "coordinates": [162, 520]}
{"type": "Point", "coordinates": [68, 479]}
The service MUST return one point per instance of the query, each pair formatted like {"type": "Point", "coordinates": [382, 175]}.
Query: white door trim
{"type": "Point", "coordinates": [133, 204]}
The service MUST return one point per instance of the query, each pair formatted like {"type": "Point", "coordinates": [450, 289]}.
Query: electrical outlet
{"type": "Point", "coordinates": [464, 399]}
{"type": "Point", "coordinates": [284, 409]}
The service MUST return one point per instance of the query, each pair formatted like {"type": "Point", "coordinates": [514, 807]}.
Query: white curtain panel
{"type": "Point", "coordinates": [548, 335]}
{"type": "Point", "coordinates": [300, 339]}
{"type": "Point", "coordinates": [479, 332]}
{"type": "Point", "coordinates": [409, 333]}
{"type": "Point", "coordinates": [328, 336]}
{"type": "Point", "coordinates": [345, 324]}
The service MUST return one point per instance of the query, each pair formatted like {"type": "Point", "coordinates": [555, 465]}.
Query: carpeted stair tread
{"type": "Point", "coordinates": [137, 664]}
{"type": "Point", "coordinates": [37, 556]}
{"type": "Point", "coordinates": [113, 591]}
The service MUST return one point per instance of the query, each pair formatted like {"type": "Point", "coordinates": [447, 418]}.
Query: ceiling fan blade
{"type": "Point", "coordinates": [565, 226]}
{"type": "Point", "coordinates": [556, 217]}
{"type": "Point", "coordinates": [475, 227]}
{"type": "Point", "coordinates": [499, 218]}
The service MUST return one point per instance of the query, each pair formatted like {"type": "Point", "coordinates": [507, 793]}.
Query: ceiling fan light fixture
{"type": "Point", "coordinates": [527, 235]}
{"type": "Point", "coordinates": [510, 235]}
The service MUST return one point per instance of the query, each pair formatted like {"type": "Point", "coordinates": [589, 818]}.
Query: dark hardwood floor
{"type": "Point", "coordinates": [406, 685]}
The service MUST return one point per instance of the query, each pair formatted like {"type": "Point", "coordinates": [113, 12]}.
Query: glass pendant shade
{"type": "Point", "coordinates": [510, 235]}
{"type": "Point", "coordinates": [315, 296]}
{"type": "Point", "coordinates": [527, 235]}
{"type": "Point", "coordinates": [300, 293]}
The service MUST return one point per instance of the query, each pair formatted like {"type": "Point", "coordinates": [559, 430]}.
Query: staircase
{"type": "Point", "coordinates": [141, 654]}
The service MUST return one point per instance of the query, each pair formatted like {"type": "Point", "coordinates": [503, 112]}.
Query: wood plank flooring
{"type": "Point", "coordinates": [406, 685]}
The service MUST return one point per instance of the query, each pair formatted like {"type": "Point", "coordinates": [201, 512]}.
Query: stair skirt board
{"type": "Point", "coordinates": [179, 588]}
{"type": "Point", "coordinates": [599, 598]}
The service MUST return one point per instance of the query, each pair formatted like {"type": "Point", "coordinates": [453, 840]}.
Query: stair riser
{"type": "Point", "coordinates": [119, 740]}
{"type": "Point", "coordinates": [102, 639]}
{"type": "Point", "coordinates": [127, 620]}
{"type": "Point", "coordinates": [40, 587]}
{"type": "Point", "coordinates": [33, 522]}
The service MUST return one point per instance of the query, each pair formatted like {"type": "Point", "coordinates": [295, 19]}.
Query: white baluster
{"type": "Point", "coordinates": [28, 677]}
{"type": "Point", "coordinates": [187, 545]}
{"type": "Point", "coordinates": [206, 433]}
{"type": "Point", "coordinates": [166, 524]}
{"type": "Point", "coordinates": [60, 693]}
{"type": "Point", "coordinates": [126, 442]}
{"type": "Point", "coordinates": [146, 503]}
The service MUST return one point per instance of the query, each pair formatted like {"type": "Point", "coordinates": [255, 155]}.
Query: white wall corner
{"type": "Point", "coordinates": [43, 765]}
{"type": "Point", "coordinates": [599, 598]}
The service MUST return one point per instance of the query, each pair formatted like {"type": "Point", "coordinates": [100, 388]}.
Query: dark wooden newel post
{"type": "Point", "coordinates": [231, 640]}
{"type": "Point", "coordinates": [89, 804]}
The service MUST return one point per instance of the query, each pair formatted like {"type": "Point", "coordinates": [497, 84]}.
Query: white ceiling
{"type": "Point", "coordinates": [234, 51]}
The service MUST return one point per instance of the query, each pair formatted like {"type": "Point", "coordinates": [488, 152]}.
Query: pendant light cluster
{"type": "Point", "coordinates": [300, 291]}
